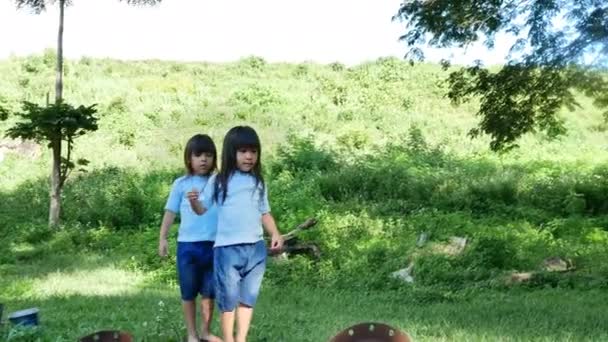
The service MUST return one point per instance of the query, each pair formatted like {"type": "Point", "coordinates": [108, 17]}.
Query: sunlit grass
{"type": "Point", "coordinates": [105, 281]}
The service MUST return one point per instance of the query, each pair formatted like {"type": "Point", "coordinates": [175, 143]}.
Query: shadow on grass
{"type": "Point", "coordinates": [303, 315]}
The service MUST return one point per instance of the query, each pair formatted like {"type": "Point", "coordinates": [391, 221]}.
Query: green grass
{"type": "Point", "coordinates": [375, 152]}
{"type": "Point", "coordinates": [85, 293]}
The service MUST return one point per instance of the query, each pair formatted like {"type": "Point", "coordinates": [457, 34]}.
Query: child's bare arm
{"type": "Point", "coordinates": [196, 205]}
{"type": "Point", "coordinates": [168, 219]}
{"type": "Point", "coordinates": [276, 239]}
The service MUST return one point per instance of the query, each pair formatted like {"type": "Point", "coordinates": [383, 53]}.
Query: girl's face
{"type": "Point", "coordinates": [246, 158]}
{"type": "Point", "coordinates": [201, 164]}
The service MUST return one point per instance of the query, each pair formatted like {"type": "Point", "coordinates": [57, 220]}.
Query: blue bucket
{"type": "Point", "coordinates": [27, 317]}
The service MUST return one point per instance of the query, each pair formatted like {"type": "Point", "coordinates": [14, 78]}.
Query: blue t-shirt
{"type": "Point", "coordinates": [239, 218]}
{"type": "Point", "coordinates": [192, 227]}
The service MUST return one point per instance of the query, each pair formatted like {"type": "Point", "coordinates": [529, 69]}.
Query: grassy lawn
{"type": "Point", "coordinates": [78, 294]}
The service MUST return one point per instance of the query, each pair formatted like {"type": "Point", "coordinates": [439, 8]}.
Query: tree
{"type": "Point", "coordinates": [54, 124]}
{"type": "Point", "coordinates": [561, 47]}
{"type": "Point", "coordinates": [39, 6]}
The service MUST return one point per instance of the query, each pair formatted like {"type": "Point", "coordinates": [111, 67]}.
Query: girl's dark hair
{"type": "Point", "coordinates": [237, 138]}
{"type": "Point", "coordinates": [197, 145]}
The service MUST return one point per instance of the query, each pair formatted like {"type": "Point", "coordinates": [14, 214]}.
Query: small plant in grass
{"type": "Point", "coordinates": [20, 333]}
{"type": "Point", "coordinates": [164, 326]}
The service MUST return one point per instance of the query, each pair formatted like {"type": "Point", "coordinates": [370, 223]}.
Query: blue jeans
{"type": "Point", "coordinates": [239, 270]}
{"type": "Point", "coordinates": [195, 269]}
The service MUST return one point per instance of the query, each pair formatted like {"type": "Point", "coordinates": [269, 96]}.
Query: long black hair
{"type": "Point", "coordinates": [237, 138]}
{"type": "Point", "coordinates": [197, 145]}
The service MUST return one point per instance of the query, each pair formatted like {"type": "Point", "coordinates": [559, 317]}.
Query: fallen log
{"type": "Point", "coordinates": [291, 245]}
{"type": "Point", "coordinates": [310, 250]}
{"type": "Point", "coordinates": [309, 223]}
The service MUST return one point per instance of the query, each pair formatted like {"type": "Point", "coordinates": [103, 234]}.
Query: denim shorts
{"type": "Point", "coordinates": [239, 270]}
{"type": "Point", "coordinates": [195, 269]}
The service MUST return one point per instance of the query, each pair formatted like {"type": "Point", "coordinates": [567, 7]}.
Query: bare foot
{"type": "Point", "coordinates": [210, 338]}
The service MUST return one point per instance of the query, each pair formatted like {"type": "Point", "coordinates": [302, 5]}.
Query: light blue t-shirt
{"type": "Point", "coordinates": [239, 218]}
{"type": "Point", "coordinates": [192, 227]}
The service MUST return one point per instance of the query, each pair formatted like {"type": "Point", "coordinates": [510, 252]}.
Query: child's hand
{"type": "Point", "coordinates": [276, 242]}
{"type": "Point", "coordinates": [162, 247]}
{"type": "Point", "coordinates": [195, 203]}
{"type": "Point", "coordinates": [193, 195]}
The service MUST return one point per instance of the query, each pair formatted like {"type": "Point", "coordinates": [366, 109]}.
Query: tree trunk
{"type": "Point", "coordinates": [55, 193]}
{"type": "Point", "coordinates": [59, 71]}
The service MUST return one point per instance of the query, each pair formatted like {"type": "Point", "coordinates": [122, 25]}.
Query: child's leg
{"type": "Point", "coordinates": [206, 318]}
{"type": "Point", "coordinates": [243, 320]}
{"type": "Point", "coordinates": [189, 283]}
{"type": "Point", "coordinates": [207, 292]}
{"type": "Point", "coordinates": [227, 322]}
{"type": "Point", "coordinates": [227, 262]}
{"type": "Point", "coordinates": [253, 273]}
{"type": "Point", "coordinates": [190, 317]}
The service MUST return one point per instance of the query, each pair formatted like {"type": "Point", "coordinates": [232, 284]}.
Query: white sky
{"type": "Point", "coordinates": [349, 31]}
